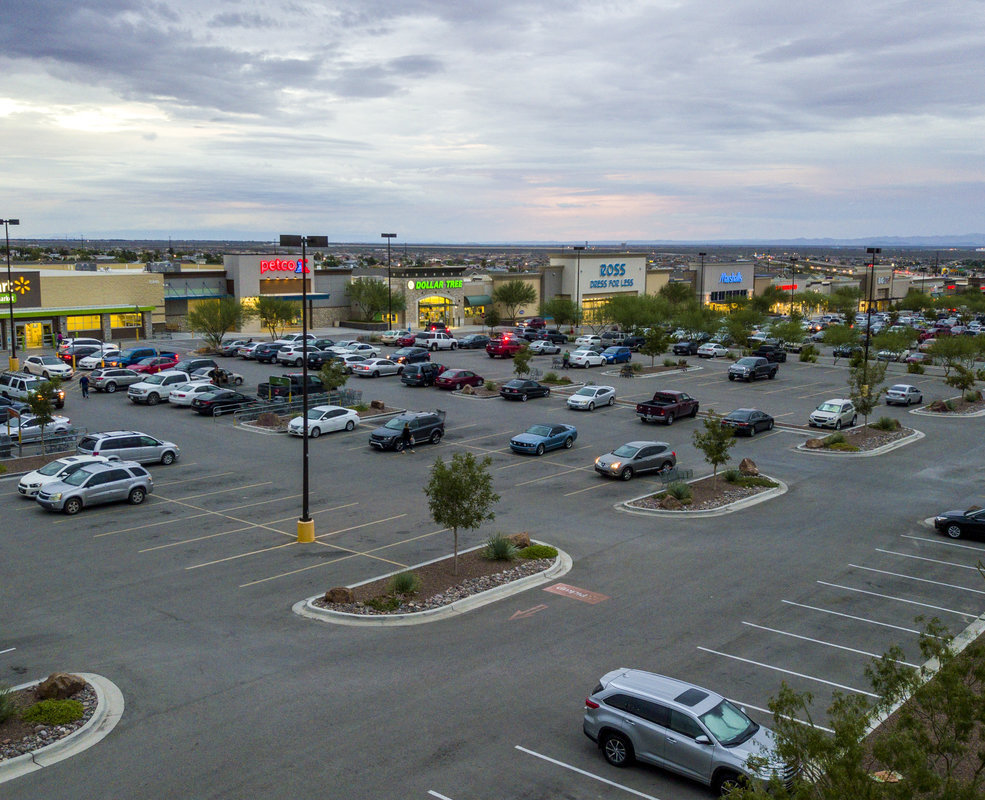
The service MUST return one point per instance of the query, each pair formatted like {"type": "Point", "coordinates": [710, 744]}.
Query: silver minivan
{"type": "Point", "coordinates": [129, 446]}
{"type": "Point", "coordinates": [637, 715]}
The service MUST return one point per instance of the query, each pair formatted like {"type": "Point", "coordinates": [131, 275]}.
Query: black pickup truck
{"type": "Point", "coordinates": [666, 406]}
{"type": "Point", "coordinates": [771, 352]}
{"type": "Point", "coordinates": [267, 392]}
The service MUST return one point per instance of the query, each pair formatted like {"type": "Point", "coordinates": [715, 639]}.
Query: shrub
{"type": "Point", "coordinates": [980, 375]}
{"type": "Point", "coordinates": [669, 362]}
{"type": "Point", "coordinates": [972, 396]}
{"type": "Point", "coordinates": [732, 474]}
{"type": "Point", "coordinates": [268, 419]}
{"type": "Point", "coordinates": [950, 405]}
{"type": "Point", "coordinates": [845, 446]}
{"type": "Point", "coordinates": [834, 438]}
{"type": "Point", "coordinates": [405, 583]}
{"type": "Point", "coordinates": [7, 706]}
{"type": "Point", "coordinates": [499, 548]}
{"type": "Point", "coordinates": [680, 490]}
{"type": "Point", "coordinates": [385, 602]}
{"type": "Point", "coordinates": [491, 386]}
{"type": "Point", "coordinates": [636, 366]}
{"type": "Point", "coordinates": [536, 551]}
{"type": "Point", "coordinates": [682, 362]}
{"type": "Point", "coordinates": [809, 353]}
{"type": "Point", "coordinates": [758, 480]}
{"type": "Point", "coordinates": [550, 377]}
{"type": "Point", "coordinates": [54, 712]}
{"type": "Point", "coordinates": [915, 369]}
{"type": "Point", "coordinates": [360, 407]}
{"type": "Point", "coordinates": [886, 424]}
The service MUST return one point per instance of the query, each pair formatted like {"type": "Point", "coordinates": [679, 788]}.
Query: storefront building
{"type": "Point", "coordinates": [441, 294]}
{"type": "Point", "coordinates": [590, 278]}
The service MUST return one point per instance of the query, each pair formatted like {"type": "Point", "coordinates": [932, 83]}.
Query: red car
{"type": "Point", "coordinates": [154, 364]}
{"type": "Point", "coordinates": [457, 378]}
{"type": "Point", "coordinates": [406, 341]}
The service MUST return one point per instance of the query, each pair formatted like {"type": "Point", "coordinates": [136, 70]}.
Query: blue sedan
{"type": "Point", "coordinates": [617, 355]}
{"type": "Point", "coordinates": [538, 439]}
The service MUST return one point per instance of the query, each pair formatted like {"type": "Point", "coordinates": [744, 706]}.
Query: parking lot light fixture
{"type": "Point", "coordinates": [306, 525]}
{"type": "Point", "coordinates": [578, 248]}
{"type": "Point", "coordinates": [873, 252]}
{"type": "Point", "coordinates": [10, 295]}
{"type": "Point", "coordinates": [389, 284]}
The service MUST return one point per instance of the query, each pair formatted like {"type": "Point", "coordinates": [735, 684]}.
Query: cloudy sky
{"type": "Point", "coordinates": [492, 120]}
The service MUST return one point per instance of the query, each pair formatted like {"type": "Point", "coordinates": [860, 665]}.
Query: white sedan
{"type": "Point", "coordinates": [95, 361]}
{"type": "Point", "coordinates": [586, 358]}
{"type": "Point", "coordinates": [324, 419]}
{"type": "Point", "coordinates": [390, 337]}
{"type": "Point", "coordinates": [540, 346]}
{"type": "Point", "coordinates": [374, 367]}
{"type": "Point", "coordinates": [363, 349]}
{"type": "Point", "coordinates": [588, 397]}
{"type": "Point", "coordinates": [581, 341]}
{"type": "Point", "coordinates": [56, 470]}
{"type": "Point", "coordinates": [184, 393]}
{"type": "Point", "coordinates": [712, 350]}
{"type": "Point", "coordinates": [47, 367]}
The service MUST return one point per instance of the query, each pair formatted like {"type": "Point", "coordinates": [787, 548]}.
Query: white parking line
{"type": "Point", "coordinates": [943, 542]}
{"type": "Point", "coordinates": [787, 671]}
{"type": "Point", "coordinates": [851, 616]}
{"type": "Point", "coordinates": [897, 599]}
{"type": "Point", "coordinates": [822, 642]}
{"type": "Point", "coordinates": [792, 719]}
{"type": "Point", "coordinates": [606, 781]}
{"type": "Point", "coordinates": [924, 558]}
{"type": "Point", "coordinates": [8, 650]}
{"type": "Point", "coordinates": [439, 796]}
{"type": "Point", "coordinates": [919, 580]}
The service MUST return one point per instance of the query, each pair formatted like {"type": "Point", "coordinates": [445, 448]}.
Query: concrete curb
{"type": "Point", "coordinates": [664, 374]}
{"type": "Point", "coordinates": [949, 415]}
{"type": "Point", "coordinates": [913, 437]}
{"type": "Point", "coordinates": [729, 508]}
{"type": "Point", "coordinates": [306, 608]}
{"type": "Point", "coordinates": [109, 709]}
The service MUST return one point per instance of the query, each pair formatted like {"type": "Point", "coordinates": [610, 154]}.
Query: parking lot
{"type": "Point", "coordinates": [185, 601]}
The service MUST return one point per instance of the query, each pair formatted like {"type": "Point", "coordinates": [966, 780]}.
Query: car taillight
{"type": "Point", "coordinates": [589, 703]}
{"type": "Point", "coordinates": [673, 453]}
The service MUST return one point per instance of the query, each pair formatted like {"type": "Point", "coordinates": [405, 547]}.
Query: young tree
{"type": "Point", "coordinates": [894, 341]}
{"type": "Point", "coordinates": [371, 298]}
{"type": "Point", "coordinates": [215, 318]}
{"type": "Point", "coordinates": [521, 362]}
{"type": "Point", "coordinates": [680, 295]}
{"type": "Point", "coordinates": [840, 336]}
{"type": "Point", "coordinates": [695, 319]}
{"type": "Point", "coordinates": [715, 441]}
{"type": "Point", "coordinates": [333, 375]}
{"type": "Point", "coordinates": [654, 343]}
{"type": "Point", "coordinates": [275, 314]}
{"type": "Point", "coordinates": [491, 318]}
{"type": "Point", "coordinates": [951, 351]}
{"type": "Point", "coordinates": [740, 324]}
{"type": "Point", "coordinates": [42, 404]}
{"type": "Point", "coordinates": [845, 301]}
{"type": "Point", "coordinates": [460, 494]}
{"type": "Point", "coordinates": [513, 294]}
{"type": "Point", "coordinates": [562, 310]}
{"type": "Point", "coordinates": [865, 384]}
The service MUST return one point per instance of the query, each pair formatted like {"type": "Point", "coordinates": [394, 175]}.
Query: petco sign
{"type": "Point", "coordinates": [297, 266]}
{"type": "Point", "coordinates": [731, 277]}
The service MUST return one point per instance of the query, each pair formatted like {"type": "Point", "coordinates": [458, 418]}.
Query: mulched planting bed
{"type": "Point", "coordinates": [868, 438]}
{"type": "Point", "coordinates": [961, 406]}
{"type": "Point", "coordinates": [441, 585]}
{"type": "Point", "coordinates": [706, 495]}
{"type": "Point", "coordinates": [18, 737]}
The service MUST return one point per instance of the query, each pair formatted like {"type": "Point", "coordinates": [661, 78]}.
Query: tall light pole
{"type": "Point", "coordinates": [306, 525]}
{"type": "Point", "coordinates": [873, 252]}
{"type": "Point", "coordinates": [793, 281]}
{"type": "Point", "coordinates": [701, 279]}
{"type": "Point", "coordinates": [578, 248]}
{"type": "Point", "coordinates": [389, 290]}
{"type": "Point", "coordinates": [10, 294]}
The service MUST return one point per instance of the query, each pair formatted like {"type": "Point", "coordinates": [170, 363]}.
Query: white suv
{"type": "Point", "coordinates": [834, 413]}
{"type": "Point", "coordinates": [157, 387]}
{"type": "Point", "coordinates": [435, 340]}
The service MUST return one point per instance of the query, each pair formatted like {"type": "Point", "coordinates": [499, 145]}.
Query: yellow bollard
{"type": "Point", "coordinates": [306, 531]}
{"type": "Point", "coordinates": [14, 364]}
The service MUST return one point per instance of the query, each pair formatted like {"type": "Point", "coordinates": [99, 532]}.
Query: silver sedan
{"type": "Point", "coordinates": [375, 367]}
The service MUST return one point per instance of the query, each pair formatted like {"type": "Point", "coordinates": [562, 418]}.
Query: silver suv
{"type": "Point", "coordinates": [97, 483]}
{"type": "Point", "coordinates": [692, 731]}
{"type": "Point", "coordinates": [129, 445]}
{"type": "Point", "coordinates": [833, 413]}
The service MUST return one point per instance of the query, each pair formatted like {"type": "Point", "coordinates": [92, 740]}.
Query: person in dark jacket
{"type": "Point", "coordinates": [406, 438]}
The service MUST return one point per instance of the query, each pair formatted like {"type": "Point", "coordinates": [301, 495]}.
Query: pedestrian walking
{"type": "Point", "coordinates": [84, 386]}
{"type": "Point", "coordinates": [59, 337]}
{"type": "Point", "coordinates": [566, 359]}
{"type": "Point", "coordinates": [406, 439]}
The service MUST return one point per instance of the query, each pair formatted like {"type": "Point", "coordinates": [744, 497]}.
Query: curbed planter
{"type": "Point", "coordinates": [876, 451]}
{"type": "Point", "coordinates": [728, 508]}
{"type": "Point", "coordinates": [306, 608]}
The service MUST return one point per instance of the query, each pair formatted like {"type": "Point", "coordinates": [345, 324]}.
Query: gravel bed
{"type": "Point", "coordinates": [18, 738]}
{"type": "Point", "coordinates": [705, 497]}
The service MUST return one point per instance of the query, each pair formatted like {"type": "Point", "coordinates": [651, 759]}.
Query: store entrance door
{"type": "Point", "coordinates": [434, 309]}
{"type": "Point", "coordinates": [32, 335]}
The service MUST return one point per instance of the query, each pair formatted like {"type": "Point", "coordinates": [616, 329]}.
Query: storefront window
{"type": "Point", "coordinates": [124, 321]}
{"type": "Point", "coordinates": [434, 309]}
{"type": "Point", "coordinates": [89, 323]}
{"type": "Point", "coordinates": [593, 309]}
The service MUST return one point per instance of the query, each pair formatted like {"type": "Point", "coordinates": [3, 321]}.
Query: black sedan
{"type": "Point", "coordinates": [222, 401]}
{"type": "Point", "coordinates": [846, 351]}
{"type": "Point", "coordinates": [266, 353]}
{"type": "Point", "coordinates": [410, 355]}
{"type": "Point", "coordinates": [474, 341]}
{"type": "Point", "coordinates": [520, 389]}
{"type": "Point", "coordinates": [962, 523]}
{"type": "Point", "coordinates": [748, 421]}
{"type": "Point", "coordinates": [552, 336]}
{"type": "Point", "coordinates": [686, 348]}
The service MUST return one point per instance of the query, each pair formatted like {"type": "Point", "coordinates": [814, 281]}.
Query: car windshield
{"type": "Point", "coordinates": [539, 430]}
{"type": "Point", "coordinates": [396, 424]}
{"type": "Point", "coordinates": [50, 360]}
{"type": "Point", "coordinates": [586, 392]}
{"type": "Point", "coordinates": [52, 469]}
{"type": "Point", "coordinates": [78, 477]}
{"type": "Point", "coordinates": [316, 413]}
{"type": "Point", "coordinates": [626, 451]}
{"type": "Point", "coordinates": [899, 387]}
{"type": "Point", "coordinates": [747, 362]}
{"type": "Point", "coordinates": [155, 379]}
{"type": "Point", "coordinates": [832, 408]}
{"type": "Point", "coordinates": [728, 724]}
{"type": "Point", "coordinates": [612, 350]}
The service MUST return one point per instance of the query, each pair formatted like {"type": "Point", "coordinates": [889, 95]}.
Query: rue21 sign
{"type": "Point", "coordinates": [615, 282]}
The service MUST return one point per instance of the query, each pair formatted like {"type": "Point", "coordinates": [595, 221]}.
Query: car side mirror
{"type": "Point", "coordinates": [702, 739]}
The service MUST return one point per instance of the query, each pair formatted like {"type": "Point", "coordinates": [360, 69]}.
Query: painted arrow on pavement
{"type": "Point", "coordinates": [528, 612]}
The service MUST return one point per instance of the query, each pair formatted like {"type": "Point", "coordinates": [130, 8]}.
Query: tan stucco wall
{"type": "Point", "coordinates": [656, 280]}
{"type": "Point", "coordinates": [104, 289]}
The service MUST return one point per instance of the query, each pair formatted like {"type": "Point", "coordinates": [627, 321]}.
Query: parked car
{"type": "Point", "coordinates": [155, 388]}
{"type": "Point", "coordinates": [687, 348]}
{"type": "Point", "coordinates": [522, 389]}
{"type": "Point", "coordinates": [592, 338]}
{"type": "Point", "coordinates": [846, 351]}
{"type": "Point", "coordinates": [634, 343]}
{"type": "Point", "coordinates": [588, 397]}
{"type": "Point", "coordinates": [586, 358]}
{"type": "Point", "coordinates": [457, 378]}
{"type": "Point", "coordinates": [375, 367]}
{"type": "Point", "coordinates": [535, 322]}
{"type": "Point", "coordinates": [348, 360]}
{"type": "Point", "coordinates": [424, 426]}
{"type": "Point", "coordinates": [504, 345]}
{"type": "Point", "coordinates": [903, 394]}
{"type": "Point", "coordinates": [266, 353]}
{"type": "Point", "coordinates": [636, 458]}
{"type": "Point", "coordinates": [47, 367]}
{"type": "Point", "coordinates": [473, 341]}
{"type": "Point", "coordinates": [919, 358]}
{"type": "Point", "coordinates": [542, 346]}
{"type": "Point", "coordinates": [957, 524]}
{"type": "Point", "coordinates": [749, 421]}
{"type": "Point", "coordinates": [390, 337]}
{"type": "Point", "coordinates": [421, 373]}
{"type": "Point", "coordinates": [28, 428]}
{"type": "Point", "coordinates": [437, 326]}
{"type": "Point", "coordinates": [834, 413]}
{"type": "Point", "coordinates": [617, 355]}
{"type": "Point", "coordinates": [109, 379]}
{"type": "Point", "coordinates": [406, 341]}
{"type": "Point", "coordinates": [155, 364]}
{"type": "Point", "coordinates": [537, 439]}
{"type": "Point", "coordinates": [54, 471]}
{"type": "Point", "coordinates": [891, 355]}
{"type": "Point", "coordinates": [95, 484]}
{"type": "Point", "coordinates": [230, 347]}
{"type": "Point", "coordinates": [552, 336]}
{"type": "Point", "coordinates": [295, 387]}
{"type": "Point", "coordinates": [248, 351]}
{"type": "Point", "coordinates": [184, 393]}
{"type": "Point", "coordinates": [324, 419]}
{"type": "Point", "coordinates": [410, 355]}
{"type": "Point", "coordinates": [218, 375]}
{"type": "Point", "coordinates": [637, 715]}
{"type": "Point", "coordinates": [129, 446]}
{"type": "Point", "coordinates": [98, 358]}
{"type": "Point", "coordinates": [771, 352]}
{"type": "Point", "coordinates": [293, 354]}
{"type": "Point", "coordinates": [78, 341]}
{"type": "Point", "coordinates": [22, 386]}
{"type": "Point", "coordinates": [666, 406]}
{"type": "Point", "coordinates": [752, 368]}
{"type": "Point", "coordinates": [132, 355]}
{"type": "Point", "coordinates": [434, 339]}
{"type": "Point", "coordinates": [712, 350]}
{"type": "Point", "coordinates": [189, 365]}
{"type": "Point", "coordinates": [221, 401]}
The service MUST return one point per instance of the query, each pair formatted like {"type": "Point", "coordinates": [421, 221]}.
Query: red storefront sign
{"type": "Point", "coordinates": [297, 266]}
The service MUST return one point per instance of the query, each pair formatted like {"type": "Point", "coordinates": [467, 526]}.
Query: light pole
{"type": "Point", "coordinates": [578, 248]}
{"type": "Point", "coordinates": [389, 297]}
{"type": "Point", "coordinates": [10, 295]}
{"type": "Point", "coordinates": [793, 281]}
{"type": "Point", "coordinates": [701, 279]}
{"type": "Point", "coordinates": [873, 252]}
{"type": "Point", "coordinates": [306, 525]}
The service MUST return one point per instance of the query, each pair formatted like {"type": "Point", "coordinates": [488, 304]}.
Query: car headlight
{"type": "Point", "coordinates": [55, 497]}
{"type": "Point", "coordinates": [614, 466]}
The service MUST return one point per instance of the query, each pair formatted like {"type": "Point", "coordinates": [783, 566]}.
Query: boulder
{"type": "Point", "coordinates": [670, 503]}
{"type": "Point", "coordinates": [939, 407]}
{"type": "Point", "coordinates": [377, 404]}
{"type": "Point", "coordinates": [814, 444]}
{"type": "Point", "coordinates": [748, 467]}
{"type": "Point", "coordinates": [466, 389]}
{"type": "Point", "coordinates": [59, 686]}
{"type": "Point", "coordinates": [520, 540]}
{"type": "Point", "coordinates": [339, 594]}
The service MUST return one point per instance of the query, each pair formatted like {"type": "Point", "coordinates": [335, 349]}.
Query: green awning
{"type": "Point", "coordinates": [478, 299]}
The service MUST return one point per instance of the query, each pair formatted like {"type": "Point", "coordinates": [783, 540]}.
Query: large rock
{"type": "Point", "coordinates": [670, 503]}
{"type": "Point", "coordinates": [748, 467]}
{"type": "Point", "coordinates": [814, 444]}
{"type": "Point", "coordinates": [377, 404]}
{"type": "Point", "coordinates": [520, 540]}
{"type": "Point", "coordinates": [467, 389]}
{"type": "Point", "coordinates": [339, 594]}
{"type": "Point", "coordinates": [58, 686]}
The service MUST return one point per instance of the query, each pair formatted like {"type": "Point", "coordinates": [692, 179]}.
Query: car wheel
{"type": "Point", "coordinates": [298, 363]}
{"type": "Point", "coordinates": [350, 425]}
{"type": "Point", "coordinates": [46, 376]}
{"type": "Point", "coordinates": [434, 346]}
{"type": "Point", "coordinates": [670, 419]}
{"type": "Point", "coordinates": [238, 382]}
{"type": "Point", "coordinates": [772, 375]}
{"type": "Point", "coordinates": [167, 458]}
{"type": "Point", "coordinates": [540, 450]}
{"type": "Point", "coordinates": [626, 474]}
{"type": "Point", "coordinates": [591, 406]}
{"type": "Point", "coordinates": [398, 445]}
{"type": "Point", "coordinates": [752, 431]}
{"type": "Point", "coordinates": [435, 437]}
{"type": "Point", "coordinates": [617, 750]}
{"type": "Point", "coordinates": [731, 377]}
{"type": "Point", "coordinates": [666, 466]}
{"type": "Point", "coordinates": [612, 400]}
{"type": "Point", "coordinates": [854, 420]}
{"type": "Point", "coordinates": [523, 398]}
{"type": "Point", "coordinates": [376, 373]}
{"type": "Point", "coordinates": [110, 387]}
{"type": "Point", "coordinates": [953, 530]}
{"type": "Point", "coordinates": [453, 346]}
{"type": "Point", "coordinates": [314, 433]}
{"type": "Point", "coordinates": [72, 506]}
{"type": "Point", "coordinates": [838, 425]}
{"type": "Point", "coordinates": [400, 370]}
{"type": "Point", "coordinates": [769, 425]}
{"type": "Point", "coordinates": [548, 392]}
{"type": "Point", "coordinates": [726, 783]}
{"type": "Point", "coordinates": [568, 442]}
{"type": "Point", "coordinates": [136, 497]}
